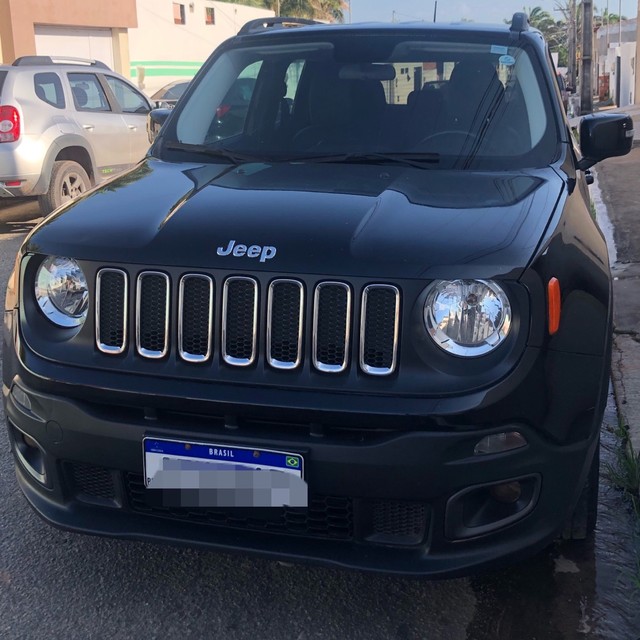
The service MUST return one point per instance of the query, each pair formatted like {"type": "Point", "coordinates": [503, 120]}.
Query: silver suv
{"type": "Point", "coordinates": [65, 125]}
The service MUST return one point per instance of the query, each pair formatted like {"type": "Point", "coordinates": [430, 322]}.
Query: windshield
{"type": "Point", "coordinates": [469, 101]}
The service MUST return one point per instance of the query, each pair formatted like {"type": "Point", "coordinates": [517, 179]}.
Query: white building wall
{"type": "Point", "coordinates": [627, 53]}
{"type": "Point", "coordinates": [162, 51]}
{"type": "Point", "coordinates": [627, 75]}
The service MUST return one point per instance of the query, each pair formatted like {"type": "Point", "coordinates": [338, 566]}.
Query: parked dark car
{"type": "Point", "coordinates": [351, 329]}
{"type": "Point", "coordinates": [169, 94]}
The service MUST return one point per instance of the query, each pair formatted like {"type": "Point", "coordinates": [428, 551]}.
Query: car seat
{"type": "Point", "coordinates": [80, 97]}
{"type": "Point", "coordinates": [344, 115]}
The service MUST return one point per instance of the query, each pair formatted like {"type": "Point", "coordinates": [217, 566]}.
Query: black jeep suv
{"type": "Point", "coordinates": [368, 325]}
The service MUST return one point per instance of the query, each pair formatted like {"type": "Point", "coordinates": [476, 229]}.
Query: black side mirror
{"type": "Point", "coordinates": [155, 120]}
{"type": "Point", "coordinates": [604, 135]}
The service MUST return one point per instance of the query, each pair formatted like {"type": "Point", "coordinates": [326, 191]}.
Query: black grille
{"type": "Point", "coordinates": [325, 517]}
{"type": "Point", "coordinates": [399, 522]}
{"type": "Point", "coordinates": [153, 314]}
{"type": "Point", "coordinates": [239, 320]}
{"type": "Point", "coordinates": [332, 326]}
{"type": "Point", "coordinates": [196, 307]}
{"type": "Point", "coordinates": [111, 311]}
{"type": "Point", "coordinates": [285, 323]}
{"type": "Point", "coordinates": [379, 329]}
{"type": "Point", "coordinates": [91, 481]}
{"type": "Point", "coordinates": [239, 338]}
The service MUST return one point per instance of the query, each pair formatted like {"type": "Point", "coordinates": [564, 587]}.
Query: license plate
{"type": "Point", "coordinates": [215, 475]}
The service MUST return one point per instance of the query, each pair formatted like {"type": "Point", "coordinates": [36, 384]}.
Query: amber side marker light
{"type": "Point", "coordinates": [553, 305]}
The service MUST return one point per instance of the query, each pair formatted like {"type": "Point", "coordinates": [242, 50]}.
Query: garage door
{"type": "Point", "coordinates": [76, 42]}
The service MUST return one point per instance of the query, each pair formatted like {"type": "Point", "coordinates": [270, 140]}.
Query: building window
{"type": "Point", "coordinates": [178, 13]}
{"type": "Point", "coordinates": [209, 15]}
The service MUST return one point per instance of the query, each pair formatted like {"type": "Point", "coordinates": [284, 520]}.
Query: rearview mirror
{"type": "Point", "coordinates": [604, 135]}
{"type": "Point", "coordinates": [367, 71]}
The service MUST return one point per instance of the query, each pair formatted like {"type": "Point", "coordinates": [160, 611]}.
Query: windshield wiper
{"type": "Point", "coordinates": [419, 160]}
{"type": "Point", "coordinates": [213, 152]}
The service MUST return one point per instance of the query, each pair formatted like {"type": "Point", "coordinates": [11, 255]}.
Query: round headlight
{"type": "Point", "coordinates": [467, 317]}
{"type": "Point", "coordinates": [62, 292]}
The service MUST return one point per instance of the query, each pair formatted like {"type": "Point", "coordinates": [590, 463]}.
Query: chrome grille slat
{"type": "Point", "coordinates": [331, 326]}
{"type": "Point", "coordinates": [112, 295]}
{"type": "Point", "coordinates": [285, 308]}
{"type": "Point", "coordinates": [195, 338]}
{"type": "Point", "coordinates": [195, 317]}
{"type": "Point", "coordinates": [379, 324]}
{"type": "Point", "coordinates": [239, 320]}
{"type": "Point", "coordinates": [152, 314]}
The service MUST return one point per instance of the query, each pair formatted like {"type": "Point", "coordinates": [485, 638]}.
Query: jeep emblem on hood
{"type": "Point", "coordinates": [254, 251]}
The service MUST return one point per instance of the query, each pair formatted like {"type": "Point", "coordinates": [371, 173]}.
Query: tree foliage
{"type": "Point", "coordinates": [556, 32]}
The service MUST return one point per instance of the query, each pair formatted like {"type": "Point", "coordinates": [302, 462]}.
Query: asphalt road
{"type": "Point", "coordinates": [55, 584]}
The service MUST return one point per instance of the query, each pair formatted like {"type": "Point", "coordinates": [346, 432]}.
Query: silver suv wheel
{"type": "Point", "coordinates": [68, 181]}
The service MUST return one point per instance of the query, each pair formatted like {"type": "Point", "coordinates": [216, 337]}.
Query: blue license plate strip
{"type": "Point", "coordinates": [159, 453]}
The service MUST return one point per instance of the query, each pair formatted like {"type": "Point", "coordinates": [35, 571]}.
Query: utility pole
{"type": "Point", "coordinates": [620, 23]}
{"type": "Point", "coordinates": [435, 10]}
{"type": "Point", "coordinates": [571, 63]}
{"type": "Point", "coordinates": [586, 81]}
{"type": "Point", "coordinates": [636, 93]}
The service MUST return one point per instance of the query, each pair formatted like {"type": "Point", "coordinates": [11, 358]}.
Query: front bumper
{"type": "Point", "coordinates": [411, 502]}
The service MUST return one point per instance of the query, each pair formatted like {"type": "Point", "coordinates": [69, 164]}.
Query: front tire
{"type": "Point", "coordinates": [68, 181]}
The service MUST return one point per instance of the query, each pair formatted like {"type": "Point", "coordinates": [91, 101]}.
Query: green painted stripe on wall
{"type": "Point", "coordinates": [167, 71]}
{"type": "Point", "coordinates": [165, 63]}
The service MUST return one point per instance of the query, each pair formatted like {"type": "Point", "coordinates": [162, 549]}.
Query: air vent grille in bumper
{"type": "Point", "coordinates": [325, 517]}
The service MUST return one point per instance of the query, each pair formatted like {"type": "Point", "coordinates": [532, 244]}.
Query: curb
{"type": "Point", "coordinates": [625, 355]}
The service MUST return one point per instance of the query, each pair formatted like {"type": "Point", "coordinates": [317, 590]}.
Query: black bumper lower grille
{"type": "Point", "coordinates": [326, 516]}
{"type": "Point", "coordinates": [386, 522]}
{"type": "Point", "coordinates": [92, 484]}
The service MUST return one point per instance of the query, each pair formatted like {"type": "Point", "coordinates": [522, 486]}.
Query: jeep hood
{"type": "Point", "coordinates": [329, 219]}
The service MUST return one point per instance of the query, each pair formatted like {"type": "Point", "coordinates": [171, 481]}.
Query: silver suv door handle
{"type": "Point", "coordinates": [88, 127]}
{"type": "Point", "coordinates": [132, 127]}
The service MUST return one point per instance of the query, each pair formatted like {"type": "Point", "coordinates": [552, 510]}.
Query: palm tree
{"type": "Point", "coordinates": [554, 32]}
{"type": "Point", "coordinates": [540, 19]}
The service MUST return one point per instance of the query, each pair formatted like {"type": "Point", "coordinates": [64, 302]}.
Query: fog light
{"type": "Point", "coordinates": [499, 443]}
{"type": "Point", "coordinates": [30, 454]}
{"type": "Point", "coordinates": [508, 493]}
{"type": "Point", "coordinates": [20, 397]}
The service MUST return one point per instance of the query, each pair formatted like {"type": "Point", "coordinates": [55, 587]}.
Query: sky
{"type": "Point", "coordinates": [454, 10]}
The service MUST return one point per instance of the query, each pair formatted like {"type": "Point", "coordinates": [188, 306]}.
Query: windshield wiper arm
{"type": "Point", "coordinates": [417, 159]}
{"type": "Point", "coordinates": [212, 152]}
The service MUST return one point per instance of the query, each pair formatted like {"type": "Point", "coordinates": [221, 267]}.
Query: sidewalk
{"type": "Point", "coordinates": [617, 180]}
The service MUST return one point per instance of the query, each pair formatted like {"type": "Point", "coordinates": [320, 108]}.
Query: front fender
{"type": "Point", "coordinates": [61, 143]}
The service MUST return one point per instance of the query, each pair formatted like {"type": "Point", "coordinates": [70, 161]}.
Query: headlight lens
{"type": "Point", "coordinates": [467, 317]}
{"type": "Point", "coordinates": [62, 292]}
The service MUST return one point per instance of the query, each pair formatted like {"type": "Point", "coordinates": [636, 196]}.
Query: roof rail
{"type": "Point", "coordinates": [260, 24]}
{"type": "Point", "coordinates": [32, 61]}
{"type": "Point", "coordinates": [519, 23]}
